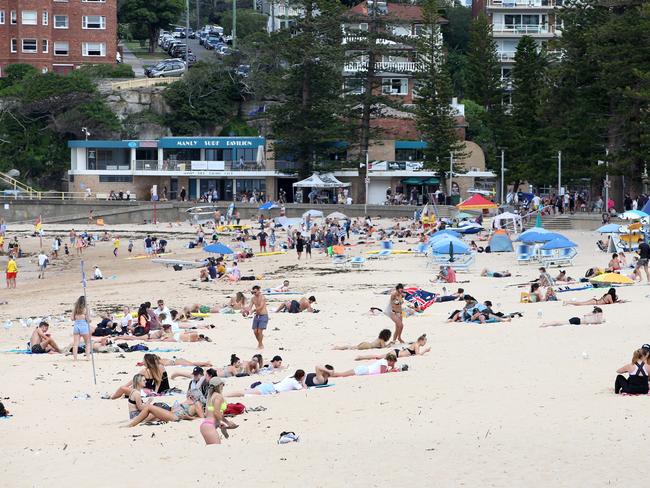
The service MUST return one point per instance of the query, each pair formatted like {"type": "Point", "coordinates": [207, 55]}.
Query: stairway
{"type": "Point", "coordinates": [18, 186]}
{"type": "Point", "coordinates": [552, 222]}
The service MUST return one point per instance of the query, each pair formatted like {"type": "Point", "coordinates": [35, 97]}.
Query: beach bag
{"type": "Point", "coordinates": [287, 437]}
{"type": "Point", "coordinates": [163, 406]}
{"type": "Point", "coordinates": [235, 409]}
{"type": "Point", "coordinates": [138, 347]}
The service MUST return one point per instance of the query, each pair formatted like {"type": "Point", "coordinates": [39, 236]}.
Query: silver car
{"type": "Point", "coordinates": [164, 70]}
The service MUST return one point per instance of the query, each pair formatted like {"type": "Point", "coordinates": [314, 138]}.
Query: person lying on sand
{"type": "Point", "coordinates": [320, 376]}
{"type": "Point", "coordinates": [562, 277]}
{"type": "Point", "coordinates": [382, 341]}
{"type": "Point", "coordinates": [466, 313]}
{"type": "Point", "coordinates": [495, 274]}
{"type": "Point", "coordinates": [608, 298]}
{"type": "Point", "coordinates": [283, 288]}
{"type": "Point", "coordinates": [450, 298]}
{"type": "Point", "coordinates": [297, 306]}
{"type": "Point", "coordinates": [385, 365]}
{"type": "Point", "coordinates": [295, 382]}
{"type": "Point", "coordinates": [413, 349]}
{"type": "Point", "coordinates": [483, 312]}
{"type": "Point", "coordinates": [637, 370]}
{"type": "Point", "coordinates": [595, 317]}
{"type": "Point", "coordinates": [42, 342]}
{"type": "Point", "coordinates": [168, 336]}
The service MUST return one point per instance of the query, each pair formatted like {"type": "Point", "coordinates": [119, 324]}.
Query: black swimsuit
{"type": "Point", "coordinates": [309, 380]}
{"type": "Point", "coordinates": [150, 384]}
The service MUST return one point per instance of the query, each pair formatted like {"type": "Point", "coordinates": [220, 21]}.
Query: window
{"type": "Point", "coordinates": [250, 186]}
{"type": "Point", "coordinates": [13, 17]}
{"type": "Point", "coordinates": [93, 49]}
{"type": "Point", "coordinates": [2, 16]}
{"type": "Point", "coordinates": [247, 154]}
{"type": "Point", "coordinates": [14, 45]}
{"type": "Point", "coordinates": [60, 21]}
{"type": "Point", "coordinates": [115, 179]}
{"type": "Point", "coordinates": [418, 29]}
{"type": "Point", "coordinates": [218, 154]}
{"type": "Point", "coordinates": [45, 44]}
{"type": "Point", "coordinates": [353, 86]}
{"type": "Point", "coordinates": [46, 17]}
{"type": "Point", "coordinates": [29, 17]}
{"type": "Point", "coordinates": [30, 46]}
{"type": "Point", "coordinates": [94, 22]}
{"type": "Point", "coordinates": [395, 86]}
{"type": "Point", "coordinates": [61, 48]}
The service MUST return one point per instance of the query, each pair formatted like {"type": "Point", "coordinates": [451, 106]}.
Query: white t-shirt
{"type": "Point", "coordinates": [42, 259]}
{"type": "Point", "coordinates": [157, 311]}
{"type": "Point", "coordinates": [98, 273]}
{"type": "Point", "coordinates": [375, 368]}
{"type": "Point", "coordinates": [288, 384]}
{"type": "Point", "coordinates": [126, 320]}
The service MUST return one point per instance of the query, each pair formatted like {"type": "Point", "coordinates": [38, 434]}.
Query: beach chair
{"type": "Point", "coordinates": [524, 255]}
{"type": "Point", "coordinates": [462, 262]}
{"type": "Point", "coordinates": [384, 253]}
{"type": "Point", "coordinates": [422, 249]}
{"type": "Point", "coordinates": [357, 262]}
{"type": "Point", "coordinates": [340, 260]}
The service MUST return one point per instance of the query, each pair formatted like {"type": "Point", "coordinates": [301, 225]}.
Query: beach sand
{"type": "Point", "coordinates": [492, 405]}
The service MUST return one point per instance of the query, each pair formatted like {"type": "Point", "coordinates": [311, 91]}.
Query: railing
{"type": "Point", "coordinates": [142, 83]}
{"type": "Point", "coordinates": [525, 4]}
{"type": "Point", "coordinates": [523, 29]}
{"type": "Point", "coordinates": [506, 57]}
{"type": "Point", "coordinates": [396, 66]}
{"type": "Point", "coordinates": [186, 165]}
{"type": "Point", "coordinates": [386, 42]}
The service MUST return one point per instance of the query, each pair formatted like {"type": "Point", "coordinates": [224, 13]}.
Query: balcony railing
{"type": "Point", "coordinates": [351, 39]}
{"type": "Point", "coordinates": [524, 29]}
{"type": "Point", "coordinates": [506, 57]}
{"type": "Point", "coordinates": [185, 165]}
{"type": "Point", "coordinates": [525, 4]}
{"type": "Point", "coordinates": [391, 66]}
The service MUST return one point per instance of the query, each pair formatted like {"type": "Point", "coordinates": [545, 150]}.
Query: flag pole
{"type": "Point", "coordinates": [92, 352]}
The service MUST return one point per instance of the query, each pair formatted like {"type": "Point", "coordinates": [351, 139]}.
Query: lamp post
{"type": "Point", "coordinates": [451, 174]}
{"type": "Point", "coordinates": [187, 34]}
{"type": "Point", "coordinates": [559, 172]}
{"type": "Point", "coordinates": [503, 174]}
{"type": "Point", "coordinates": [234, 24]}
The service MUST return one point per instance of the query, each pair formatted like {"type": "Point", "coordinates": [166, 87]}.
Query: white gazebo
{"type": "Point", "coordinates": [504, 219]}
{"type": "Point", "coordinates": [325, 181]}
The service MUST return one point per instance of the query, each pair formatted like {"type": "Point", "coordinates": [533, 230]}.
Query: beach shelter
{"type": "Point", "coordinates": [609, 229]}
{"type": "Point", "coordinates": [287, 222]}
{"type": "Point", "coordinates": [337, 216]}
{"type": "Point", "coordinates": [533, 237]}
{"type": "Point", "coordinates": [500, 242]}
{"type": "Point", "coordinates": [476, 202]}
{"type": "Point", "coordinates": [504, 219]}
{"type": "Point", "coordinates": [633, 215]}
{"type": "Point", "coordinates": [444, 232]}
{"type": "Point", "coordinates": [312, 214]}
{"type": "Point", "coordinates": [449, 245]}
{"type": "Point", "coordinates": [468, 228]}
{"type": "Point", "coordinates": [559, 243]}
{"type": "Point", "coordinates": [326, 180]}
{"type": "Point", "coordinates": [218, 248]}
{"type": "Point", "coordinates": [612, 279]}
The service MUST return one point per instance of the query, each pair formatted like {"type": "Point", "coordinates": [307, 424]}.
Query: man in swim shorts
{"type": "Point", "coordinates": [297, 306]}
{"type": "Point", "coordinates": [41, 342]}
{"type": "Point", "coordinates": [261, 317]}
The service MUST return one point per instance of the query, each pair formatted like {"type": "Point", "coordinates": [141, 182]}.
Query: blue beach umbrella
{"type": "Point", "coordinates": [609, 229]}
{"type": "Point", "coordinates": [559, 243]}
{"type": "Point", "coordinates": [448, 244]}
{"type": "Point", "coordinates": [218, 248]}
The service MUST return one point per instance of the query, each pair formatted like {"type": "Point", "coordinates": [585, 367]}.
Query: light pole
{"type": "Point", "coordinates": [451, 174]}
{"type": "Point", "coordinates": [187, 34]}
{"type": "Point", "coordinates": [559, 172]}
{"type": "Point", "coordinates": [367, 182]}
{"type": "Point", "coordinates": [503, 174]}
{"type": "Point", "coordinates": [234, 24]}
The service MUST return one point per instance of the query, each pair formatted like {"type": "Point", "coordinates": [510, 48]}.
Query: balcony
{"type": "Point", "coordinates": [506, 56]}
{"type": "Point", "coordinates": [386, 66]}
{"type": "Point", "coordinates": [352, 39]}
{"type": "Point", "coordinates": [189, 166]}
{"type": "Point", "coordinates": [516, 30]}
{"type": "Point", "coordinates": [524, 4]}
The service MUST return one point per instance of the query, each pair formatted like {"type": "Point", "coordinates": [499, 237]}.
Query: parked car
{"type": "Point", "coordinates": [165, 70]}
{"type": "Point", "coordinates": [243, 70]}
{"type": "Point", "coordinates": [223, 50]}
{"type": "Point", "coordinates": [147, 69]}
{"type": "Point", "coordinates": [175, 45]}
{"type": "Point", "coordinates": [211, 43]}
{"type": "Point", "coordinates": [202, 37]}
{"type": "Point", "coordinates": [178, 49]}
{"type": "Point", "coordinates": [178, 31]}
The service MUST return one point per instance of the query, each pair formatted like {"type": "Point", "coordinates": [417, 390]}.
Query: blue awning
{"type": "Point", "coordinates": [211, 142]}
{"type": "Point", "coordinates": [410, 144]}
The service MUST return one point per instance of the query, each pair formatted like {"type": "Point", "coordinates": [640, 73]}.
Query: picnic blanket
{"type": "Point", "coordinates": [419, 297]}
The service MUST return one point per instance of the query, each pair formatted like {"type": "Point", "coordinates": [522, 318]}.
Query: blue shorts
{"type": "Point", "coordinates": [81, 327]}
{"type": "Point", "coordinates": [260, 321]}
{"type": "Point", "coordinates": [265, 388]}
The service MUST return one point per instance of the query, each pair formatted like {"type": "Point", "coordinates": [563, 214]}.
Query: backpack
{"type": "Point", "coordinates": [138, 347]}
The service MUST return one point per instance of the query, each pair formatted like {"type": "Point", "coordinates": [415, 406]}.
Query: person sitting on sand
{"type": "Point", "coordinates": [382, 341]}
{"type": "Point", "coordinates": [413, 349]}
{"type": "Point", "coordinates": [562, 277]}
{"type": "Point", "coordinates": [234, 274]}
{"type": "Point", "coordinates": [295, 382]}
{"type": "Point", "coordinates": [536, 293]}
{"type": "Point", "coordinates": [238, 302]}
{"type": "Point", "coordinates": [608, 298]}
{"type": "Point", "coordinates": [495, 274]}
{"type": "Point", "coordinates": [637, 370]}
{"type": "Point", "coordinates": [41, 342]}
{"type": "Point", "coordinates": [544, 279]}
{"type": "Point", "coordinates": [155, 378]}
{"type": "Point", "coordinates": [209, 273]}
{"type": "Point", "coordinates": [297, 306]}
{"type": "Point", "coordinates": [320, 376]}
{"type": "Point", "coordinates": [466, 313]}
{"type": "Point", "coordinates": [382, 366]}
{"type": "Point", "coordinates": [445, 275]}
{"type": "Point", "coordinates": [483, 313]}
{"type": "Point", "coordinates": [593, 318]}
{"type": "Point", "coordinates": [614, 265]}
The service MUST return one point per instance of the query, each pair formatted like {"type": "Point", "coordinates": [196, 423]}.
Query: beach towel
{"type": "Point", "coordinates": [18, 351]}
{"type": "Point", "coordinates": [489, 321]}
{"type": "Point", "coordinates": [419, 297]}
{"type": "Point", "coordinates": [164, 349]}
{"type": "Point", "coordinates": [562, 289]}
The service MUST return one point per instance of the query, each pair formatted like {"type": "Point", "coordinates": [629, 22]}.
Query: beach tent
{"type": "Point", "coordinates": [502, 220]}
{"type": "Point", "coordinates": [559, 243]}
{"type": "Point", "coordinates": [445, 232]}
{"type": "Point", "coordinates": [326, 180]}
{"type": "Point", "coordinates": [287, 222]}
{"type": "Point", "coordinates": [337, 216]}
{"type": "Point", "coordinates": [218, 248]}
{"type": "Point", "coordinates": [500, 242]}
{"type": "Point", "coordinates": [476, 202]}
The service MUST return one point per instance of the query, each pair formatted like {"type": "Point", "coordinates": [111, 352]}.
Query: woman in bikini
{"type": "Point", "coordinates": [608, 298]}
{"type": "Point", "coordinates": [81, 327]}
{"type": "Point", "coordinates": [413, 349]}
{"type": "Point", "coordinates": [238, 302]}
{"type": "Point", "coordinates": [155, 375]}
{"type": "Point", "coordinates": [395, 309]}
{"type": "Point", "coordinates": [215, 407]}
{"type": "Point", "coordinates": [381, 342]}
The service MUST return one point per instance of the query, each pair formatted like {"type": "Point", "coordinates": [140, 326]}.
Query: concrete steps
{"type": "Point", "coordinates": [556, 222]}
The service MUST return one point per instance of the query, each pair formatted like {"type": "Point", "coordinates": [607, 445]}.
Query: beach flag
{"type": "Point", "coordinates": [419, 297]}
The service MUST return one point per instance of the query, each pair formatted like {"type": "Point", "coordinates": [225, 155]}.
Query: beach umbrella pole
{"type": "Point", "coordinates": [92, 352]}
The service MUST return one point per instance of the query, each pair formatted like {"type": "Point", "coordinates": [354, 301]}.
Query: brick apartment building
{"type": "Point", "coordinates": [57, 35]}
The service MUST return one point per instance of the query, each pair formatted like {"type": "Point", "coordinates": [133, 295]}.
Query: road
{"type": "Point", "coordinates": [201, 53]}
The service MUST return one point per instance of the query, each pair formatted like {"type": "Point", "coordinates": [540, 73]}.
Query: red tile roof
{"type": "Point", "coordinates": [395, 10]}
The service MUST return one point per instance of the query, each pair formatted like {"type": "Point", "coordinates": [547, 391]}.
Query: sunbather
{"type": "Point", "coordinates": [385, 365]}
{"type": "Point", "coordinates": [295, 382]}
{"type": "Point", "coordinates": [413, 349]}
{"type": "Point", "coordinates": [595, 317]}
{"type": "Point", "coordinates": [608, 298]}
{"type": "Point", "coordinates": [495, 274]}
{"type": "Point", "coordinates": [297, 306]}
{"type": "Point", "coordinates": [42, 342]}
{"type": "Point", "coordinates": [382, 341]}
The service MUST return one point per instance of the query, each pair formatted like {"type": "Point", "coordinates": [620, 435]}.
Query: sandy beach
{"type": "Point", "coordinates": [507, 404]}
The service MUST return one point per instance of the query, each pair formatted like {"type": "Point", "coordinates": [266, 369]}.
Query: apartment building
{"type": "Point", "coordinates": [57, 35]}
{"type": "Point", "coordinates": [513, 19]}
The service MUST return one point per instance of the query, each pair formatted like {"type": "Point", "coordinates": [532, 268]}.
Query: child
{"type": "Point", "coordinates": [130, 246]}
{"type": "Point", "coordinates": [116, 246]}
{"type": "Point", "coordinates": [66, 250]}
